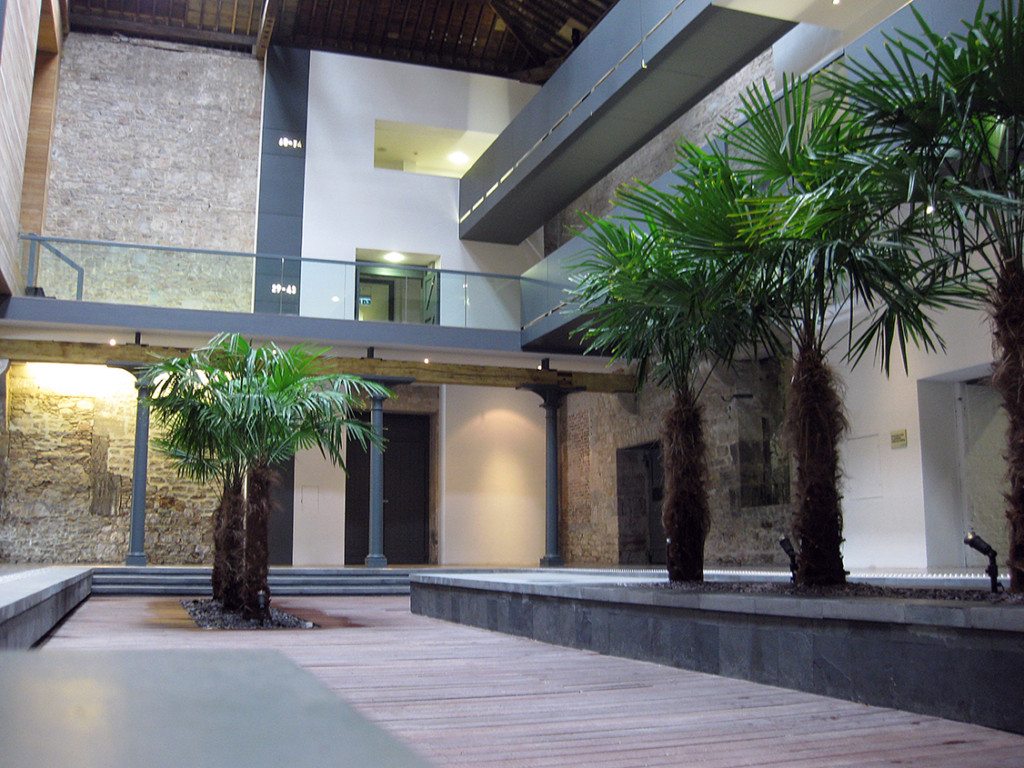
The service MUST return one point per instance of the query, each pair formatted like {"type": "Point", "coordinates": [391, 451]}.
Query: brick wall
{"type": "Point", "coordinates": [17, 65]}
{"type": "Point", "coordinates": [68, 495]}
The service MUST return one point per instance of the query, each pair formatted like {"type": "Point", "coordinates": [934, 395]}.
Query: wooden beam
{"type": "Point", "coordinates": [37, 149]}
{"type": "Point", "coordinates": [20, 350]}
{"type": "Point", "coordinates": [267, 21]}
{"type": "Point", "coordinates": [86, 21]}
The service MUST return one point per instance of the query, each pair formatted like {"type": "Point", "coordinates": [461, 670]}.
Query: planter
{"type": "Point", "coordinates": [958, 660]}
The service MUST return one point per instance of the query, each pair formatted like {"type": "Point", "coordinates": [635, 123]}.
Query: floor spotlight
{"type": "Point", "coordinates": [787, 547]}
{"type": "Point", "coordinates": [975, 542]}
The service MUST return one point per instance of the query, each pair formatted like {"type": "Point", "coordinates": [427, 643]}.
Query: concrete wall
{"type": "Point", "coordinates": [902, 506]}
{"type": "Point", "coordinates": [17, 66]}
{"type": "Point", "coordinates": [350, 204]}
{"type": "Point", "coordinates": [492, 508]}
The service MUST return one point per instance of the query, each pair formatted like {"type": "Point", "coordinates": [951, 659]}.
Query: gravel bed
{"type": "Point", "coordinates": [210, 614]}
{"type": "Point", "coordinates": [848, 590]}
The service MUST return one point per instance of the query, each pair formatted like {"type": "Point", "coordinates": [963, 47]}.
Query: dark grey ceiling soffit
{"type": "Point", "coordinates": [84, 315]}
{"type": "Point", "coordinates": [651, 61]}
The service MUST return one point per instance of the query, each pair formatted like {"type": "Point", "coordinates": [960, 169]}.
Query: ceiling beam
{"type": "Point", "coordinates": [268, 18]}
{"type": "Point", "coordinates": [160, 31]}
{"type": "Point", "coordinates": [20, 350]}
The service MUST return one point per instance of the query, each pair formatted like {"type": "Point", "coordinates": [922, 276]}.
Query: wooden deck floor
{"type": "Point", "coordinates": [468, 697]}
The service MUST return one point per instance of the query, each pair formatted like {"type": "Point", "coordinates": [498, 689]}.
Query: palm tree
{"type": "Point", "coordinates": [645, 300]}
{"type": "Point", "coordinates": [233, 411]}
{"type": "Point", "coordinates": [839, 264]}
{"type": "Point", "coordinates": [948, 116]}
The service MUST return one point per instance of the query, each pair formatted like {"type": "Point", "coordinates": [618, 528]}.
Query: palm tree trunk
{"type": "Point", "coordinates": [256, 592]}
{"type": "Point", "coordinates": [229, 546]}
{"type": "Point", "coordinates": [1008, 379]}
{"type": "Point", "coordinates": [685, 513]}
{"type": "Point", "coordinates": [815, 422]}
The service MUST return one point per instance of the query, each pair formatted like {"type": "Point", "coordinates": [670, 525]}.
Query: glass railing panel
{"type": "Point", "coordinates": [221, 281]}
{"type": "Point", "coordinates": [143, 275]}
{"type": "Point", "coordinates": [328, 289]}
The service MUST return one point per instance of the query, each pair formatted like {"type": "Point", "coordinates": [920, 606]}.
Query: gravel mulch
{"type": "Point", "coordinates": [210, 614]}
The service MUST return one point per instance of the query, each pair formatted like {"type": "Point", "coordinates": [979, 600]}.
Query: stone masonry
{"type": "Point", "coordinates": [68, 494]}
{"type": "Point", "coordinates": [155, 144]}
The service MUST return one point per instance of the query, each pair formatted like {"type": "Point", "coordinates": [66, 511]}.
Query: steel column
{"type": "Point", "coordinates": [375, 558]}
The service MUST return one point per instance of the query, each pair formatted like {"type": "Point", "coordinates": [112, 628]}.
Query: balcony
{"type": "Point", "coordinates": [131, 287]}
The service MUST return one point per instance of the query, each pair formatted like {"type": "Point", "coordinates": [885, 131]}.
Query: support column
{"type": "Point", "coordinates": [553, 396]}
{"type": "Point", "coordinates": [552, 400]}
{"type": "Point", "coordinates": [375, 552]}
{"type": "Point", "coordinates": [375, 558]}
{"type": "Point", "coordinates": [140, 462]}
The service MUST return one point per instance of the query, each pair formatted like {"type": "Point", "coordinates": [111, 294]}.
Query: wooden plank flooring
{"type": "Point", "coordinates": [468, 697]}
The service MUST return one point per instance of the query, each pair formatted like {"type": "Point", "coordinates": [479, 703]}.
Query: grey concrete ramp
{"type": "Point", "coordinates": [177, 708]}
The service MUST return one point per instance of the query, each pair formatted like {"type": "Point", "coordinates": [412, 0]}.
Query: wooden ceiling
{"type": "Point", "coordinates": [522, 39]}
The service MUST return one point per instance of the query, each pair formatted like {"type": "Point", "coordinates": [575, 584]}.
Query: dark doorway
{"type": "Point", "coordinates": [641, 486]}
{"type": "Point", "coordinates": [406, 493]}
{"type": "Point", "coordinates": [282, 515]}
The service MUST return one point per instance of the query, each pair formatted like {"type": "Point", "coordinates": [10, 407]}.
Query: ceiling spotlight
{"type": "Point", "coordinates": [335, 298]}
{"type": "Point", "coordinates": [459, 158]}
{"type": "Point", "coordinates": [394, 257]}
{"type": "Point", "coordinates": [426, 361]}
{"type": "Point", "coordinates": [835, 2]}
{"type": "Point", "coordinates": [112, 342]}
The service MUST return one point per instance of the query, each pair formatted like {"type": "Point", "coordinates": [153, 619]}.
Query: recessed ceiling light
{"type": "Point", "coordinates": [835, 2]}
{"type": "Point", "coordinates": [459, 158]}
{"type": "Point", "coordinates": [335, 298]}
{"type": "Point", "coordinates": [112, 342]}
{"type": "Point", "coordinates": [394, 257]}
{"type": "Point", "coordinates": [426, 361]}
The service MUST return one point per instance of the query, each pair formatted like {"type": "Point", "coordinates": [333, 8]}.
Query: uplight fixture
{"type": "Point", "coordinates": [975, 542]}
{"type": "Point", "coordinates": [394, 257]}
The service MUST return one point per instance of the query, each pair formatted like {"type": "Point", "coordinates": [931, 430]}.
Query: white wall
{"type": "Point", "coordinates": [492, 507]}
{"type": "Point", "coordinates": [349, 204]}
{"type": "Point", "coordinates": [884, 492]}
{"type": "Point", "coordinates": [318, 526]}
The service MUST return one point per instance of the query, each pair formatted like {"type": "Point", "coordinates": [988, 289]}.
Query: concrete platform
{"type": "Point", "coordinates": [34, 600]}
{"type": "Point", "coordinates": [175, 708]}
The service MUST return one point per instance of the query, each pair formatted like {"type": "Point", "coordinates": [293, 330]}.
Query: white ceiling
{"type": "Point", "coordinates": [853, 16]}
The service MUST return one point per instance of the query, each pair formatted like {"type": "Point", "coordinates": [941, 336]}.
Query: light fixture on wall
{"type": "Point", "coordinates": [975, 542]}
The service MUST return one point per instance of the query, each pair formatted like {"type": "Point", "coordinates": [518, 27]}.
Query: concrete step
{"type": "Point", "coordinates": [195, 581]}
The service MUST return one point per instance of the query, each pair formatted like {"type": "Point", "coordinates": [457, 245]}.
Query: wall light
{"type": "Point", "coordinates": [975, 542]}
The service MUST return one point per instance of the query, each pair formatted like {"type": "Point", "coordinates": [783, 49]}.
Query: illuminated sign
{"type": "Point", "coordinates": [289, 143]}
{"type": "Point", "coordinates": [289, 289]}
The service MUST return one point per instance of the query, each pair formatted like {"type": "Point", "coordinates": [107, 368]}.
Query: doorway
{"type": "Point", "coordinates": [640, 487]}
{"type": "Point", "coordinates": [406, 493]}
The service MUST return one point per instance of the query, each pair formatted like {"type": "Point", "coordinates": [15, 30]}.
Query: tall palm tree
{"type": "Point", "coordinates": [947, 113]}
{"type": "Point", "coordinates": [842, 269]}
{"type": "Point", "coordinates": [233, 410]}
{"type": "Point", "coordinates": [646, 300]}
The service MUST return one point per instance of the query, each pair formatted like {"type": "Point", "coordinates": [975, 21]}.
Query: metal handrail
{"type": "Point", "coordinates": [35, 242]}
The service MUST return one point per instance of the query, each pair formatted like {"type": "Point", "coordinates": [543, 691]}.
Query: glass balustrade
{"type": "Point", "coordinates": [182, 278]}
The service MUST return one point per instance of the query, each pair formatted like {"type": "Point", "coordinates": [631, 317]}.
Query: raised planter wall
{"type": "Point", "coordinates": [958, 661]}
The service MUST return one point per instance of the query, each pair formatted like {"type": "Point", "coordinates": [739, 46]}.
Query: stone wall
{"type": "Point", "coordinates": [595, 427]}
{"type": "Point", "coordinates": [68, 495]}
{"type": "Point", "coordinates": [17, 66]}
{"type": "Point", "coordinates": [156, 144]}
